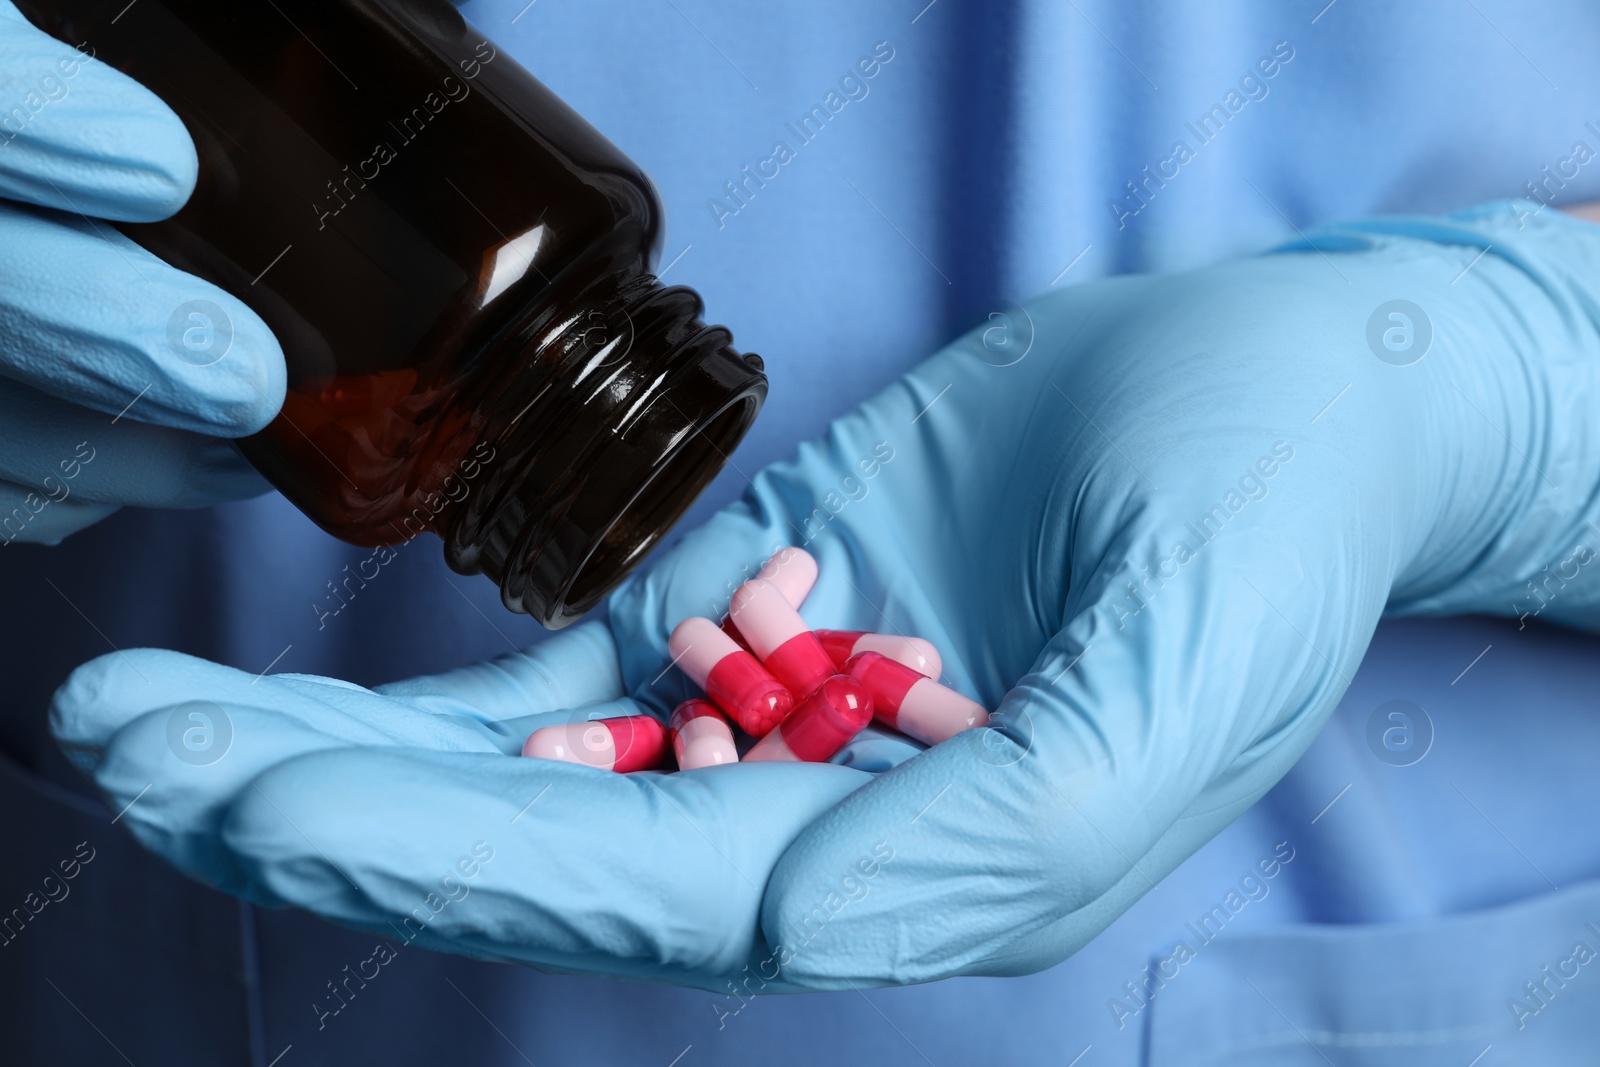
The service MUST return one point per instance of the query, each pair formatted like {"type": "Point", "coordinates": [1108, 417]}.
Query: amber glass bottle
{"type": "Point", "coordinates": [458, 268]}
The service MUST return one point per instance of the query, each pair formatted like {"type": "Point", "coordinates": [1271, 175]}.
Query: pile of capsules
{"type": "Point", "coordinates": [802, 694]}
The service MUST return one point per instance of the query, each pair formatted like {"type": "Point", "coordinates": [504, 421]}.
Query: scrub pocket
{"type": "Point", "coordinates": [1513, 985]}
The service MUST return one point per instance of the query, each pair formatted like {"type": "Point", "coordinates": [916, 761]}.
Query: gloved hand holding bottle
{"type": "Point", "coordinates": [1153, 533]}
{"type": "Point", "coordinates": [120, 377]}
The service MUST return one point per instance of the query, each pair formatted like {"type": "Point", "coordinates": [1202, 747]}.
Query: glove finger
{"type": "Point", "coordinates": [1127, 733]}
{"type": "Point", "coordinates": [108, 693]}
{"type": "Point", "coordinates": [89, 317]}
{"type": "Point", "coordinates": [172, 739]}
{"type": "Point", "coordinates": [645, 875]}
{"type": "Point", "coordinates": [29, 515]}
{"type": "Point", "coordinates": [576, 667]}
{"type": "Point", "coordinates": [66, 452]}
{"type": "Point", "coordinates": [83, 137]}
{"type": "Point", "coordinates": [172, 772]}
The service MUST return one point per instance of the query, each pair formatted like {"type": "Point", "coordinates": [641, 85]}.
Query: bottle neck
{"type": "Point", "coordinates": [608, 412]}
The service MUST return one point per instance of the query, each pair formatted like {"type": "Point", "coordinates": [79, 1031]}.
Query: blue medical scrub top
{"type": "Point", "coordinates": [1420, 889]}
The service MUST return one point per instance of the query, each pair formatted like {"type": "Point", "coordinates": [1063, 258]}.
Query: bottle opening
{"type": "Point", "coordinates": [678, 481]}
{"type": "Point", "coordinates": [598, 468]}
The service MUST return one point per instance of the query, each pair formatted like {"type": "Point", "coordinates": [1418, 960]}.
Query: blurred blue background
{"type": "Point", "coordinates": [988, 160]}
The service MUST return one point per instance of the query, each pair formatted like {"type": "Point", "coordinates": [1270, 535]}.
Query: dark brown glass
{"type": "Point", "coordinates": [458, 268]}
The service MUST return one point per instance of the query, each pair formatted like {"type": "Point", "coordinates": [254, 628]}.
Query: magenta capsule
{"type": "Point", "coordinates": [916, 706]}
{"type": "Point", "coordinates": [730, 676]}
{"type": "Point", "coordinates": [780, 638]}
{"type": "Point", "coordinates": [701, 737]}
{"type": "Point", "coordinates": [914, 652]}
{"type": "Point", "coordinates": [836, 711]}
{"type": "Point", "coordinates": [794, 571]}
{"type": "Point", "coordinates": [628, 743]}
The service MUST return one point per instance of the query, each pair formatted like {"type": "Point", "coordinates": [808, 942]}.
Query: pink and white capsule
{"type": "Point", "coordinates": [628, 743]}
{"type": "Point", "coordinates": [793, 570]}
{"type": "Point", "coordinates": [835, 712]}
{"type": "Point", "coordinates": [730, 676]}
{"type": "Point", "coordinates": [914, 652]}
{"type": "Point", "coordinates": [700, 736]}
{"type": "Point", "coordinates": [916, 706]}
{"type": "Point", "coordinates": [780, 638]}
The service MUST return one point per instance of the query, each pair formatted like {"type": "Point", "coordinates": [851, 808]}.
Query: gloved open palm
{"type": "Point", "coordinates": [1151, 526]}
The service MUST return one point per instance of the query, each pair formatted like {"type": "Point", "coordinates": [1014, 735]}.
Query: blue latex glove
{"type": "Point", "coordinates": [92, 327]}
{"type": "Point", "coordinates": [1020, 499]}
